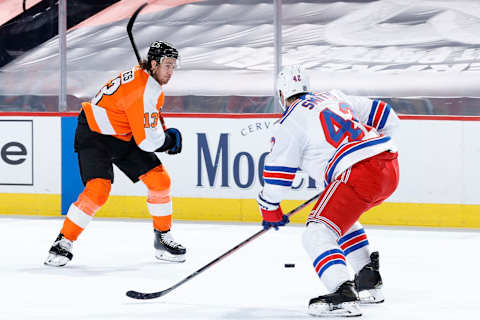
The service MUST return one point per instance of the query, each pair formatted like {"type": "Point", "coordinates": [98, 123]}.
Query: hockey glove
{"type": "Point", "coordinates": [271, 212]}
{"type": "Point", "coordinates": [274, 218]}
{"type": "Point", "coordinates": [177, 140]}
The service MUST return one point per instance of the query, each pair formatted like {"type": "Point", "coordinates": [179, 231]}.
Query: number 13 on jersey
{"type": "Point", "coordinates": [154, 117]}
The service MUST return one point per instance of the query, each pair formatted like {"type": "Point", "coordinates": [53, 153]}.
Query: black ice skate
{"type": "Point", "coordinates": [60, 253]}
{"type": "Point", "coordinates": [368, 281]}
{"type": "Point", "coordinates": [166, 248]}
{"type": "Point", "coordinates": [341, 303]}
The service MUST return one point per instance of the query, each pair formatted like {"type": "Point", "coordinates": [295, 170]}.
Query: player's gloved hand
{"type": "Point", "coordinates": [176, 137]}
{"type": "Point", "coordinates": [274, 218]}
{"type": "Point", "coordinates": [271, 212]}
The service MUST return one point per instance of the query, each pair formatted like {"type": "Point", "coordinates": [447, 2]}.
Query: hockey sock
{"type": "Point", "coordinates": [159, 202]}
{"type": "Point", "coordinates": [162, 223]}
{"type": "Point", "coordinates": [82, 211]}
{"type": "Point", "coordinates": [354, 244]}
{"type": "Point", "coordinates": [328, 259]}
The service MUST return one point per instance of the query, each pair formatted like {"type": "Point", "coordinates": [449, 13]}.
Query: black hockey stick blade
{"type": "Point", "coordinates": [145, 296]}
{"type": "Point", "coordinates": [130, 26]}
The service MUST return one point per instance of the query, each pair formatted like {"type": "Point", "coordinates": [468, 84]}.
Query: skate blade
{"type": "Point", "coordinates": [346, 309]}
{"type": "Point", "coordinates": [373, 296]}
{"type": "Point", "coordinates": [167, 256]}
{"type": "Point", "coordinates": [54, 260]}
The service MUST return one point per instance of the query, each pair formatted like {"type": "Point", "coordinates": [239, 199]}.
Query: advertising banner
{"type": "Point", "coordinates": [220, 158]}
{"type": "Point", "coordinates": [218, 174]}
{"type": "Point", "coordinates": [30, 165]}
{"type": "Point", "coordinates": [16, 152]}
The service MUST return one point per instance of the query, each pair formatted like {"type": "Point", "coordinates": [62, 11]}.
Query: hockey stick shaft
{"type": "Point", "coordinates": [143, 296]}
{"type": "Point", "coordinates": [135, 50]}
{"type": "Point", "coordinates": [129, 30]}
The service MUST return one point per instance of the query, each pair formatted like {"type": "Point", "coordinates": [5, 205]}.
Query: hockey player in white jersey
{"type": "Point", "coordinates": [345, 143]}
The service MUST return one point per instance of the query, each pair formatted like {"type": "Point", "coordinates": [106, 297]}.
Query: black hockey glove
{"type": "Point", "coordinates": [177, 138]}
{"type": "Point", "coordinates": [172, 143]}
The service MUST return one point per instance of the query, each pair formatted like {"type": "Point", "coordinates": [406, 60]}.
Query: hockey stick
{"type": "Point", "coordinates": [144, 296]}
{"type": "Point", "coordinates": [139, 59]}
{"type": "Point", "coordinates": [129, 30]}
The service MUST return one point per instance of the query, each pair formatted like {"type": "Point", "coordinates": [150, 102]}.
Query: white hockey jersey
{"type": "Point", "coordinates": [324, 134]}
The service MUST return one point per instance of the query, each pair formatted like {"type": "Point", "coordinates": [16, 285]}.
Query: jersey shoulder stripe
{"type": "Point", "coordinates": [378, 114]}
{"type": "Point", "coordinates": [384, 117]}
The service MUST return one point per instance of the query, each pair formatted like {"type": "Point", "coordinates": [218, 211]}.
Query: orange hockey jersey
{"type": "Point", "coordinates": [128, 105]}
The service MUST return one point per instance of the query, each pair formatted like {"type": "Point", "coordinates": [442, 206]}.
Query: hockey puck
{"type": "Point", "coordinates": [289, 265]}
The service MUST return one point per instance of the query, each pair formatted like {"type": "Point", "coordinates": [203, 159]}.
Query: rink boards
{"type": "Point", "coordinates": [218, 173]}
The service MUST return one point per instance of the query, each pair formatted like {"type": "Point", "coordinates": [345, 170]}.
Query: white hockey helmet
{"type": "Point", "coordinates": [290, 81]}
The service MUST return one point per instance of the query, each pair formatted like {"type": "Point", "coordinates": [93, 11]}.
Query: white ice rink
{"type": "Point", "coordinates": [428, 274]}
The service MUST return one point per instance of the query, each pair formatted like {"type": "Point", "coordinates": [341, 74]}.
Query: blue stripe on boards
{"type": "Point", "coordinates": [72, 184]}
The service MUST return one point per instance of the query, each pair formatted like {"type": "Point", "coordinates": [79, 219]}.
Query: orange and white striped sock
{"type": "Point", "coordinates": [81, 212]}
{"type": "Point", "coordinates": [159, 202]}
{"type": "Point", "coordinates": [160, 207]}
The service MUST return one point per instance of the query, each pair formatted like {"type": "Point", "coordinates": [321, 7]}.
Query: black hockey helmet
{"type": "Point", "coordinates": [161, 49]}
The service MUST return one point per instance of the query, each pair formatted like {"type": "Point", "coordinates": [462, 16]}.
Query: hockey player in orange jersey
{"type": "Point", "coordinates": [121, 126]}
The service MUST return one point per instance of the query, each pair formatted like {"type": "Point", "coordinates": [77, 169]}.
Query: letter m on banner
{"type": "Point", "coordinates": [212, 168]}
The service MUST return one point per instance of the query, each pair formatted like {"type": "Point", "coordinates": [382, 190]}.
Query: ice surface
{"type": "Point", "coordinates": [428, 274]}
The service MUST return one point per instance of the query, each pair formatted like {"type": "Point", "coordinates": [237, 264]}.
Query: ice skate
{"type": "Point", "coordinates": [368, 281]}
{"type": "Point", "coordinates": [60, 253]}
{"type": "Point", "coordinates": [341, 303]}
{"type": "Point", "coordinates": [166, 248]}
